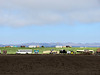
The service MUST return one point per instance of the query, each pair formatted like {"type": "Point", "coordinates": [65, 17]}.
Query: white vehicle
{"type": "Point", "coordinates": [68, 52]}
{"type": "Point", "coordinates": [24, 51]}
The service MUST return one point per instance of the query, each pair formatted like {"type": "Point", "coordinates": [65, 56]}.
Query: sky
{"type": "Point", "coordinates": [49, 21]}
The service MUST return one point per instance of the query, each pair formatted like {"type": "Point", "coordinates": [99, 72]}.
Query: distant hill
{"type": "Point", "coordinates": [2, 45]}
{"type": "Point", "coordinates": [55, 44]}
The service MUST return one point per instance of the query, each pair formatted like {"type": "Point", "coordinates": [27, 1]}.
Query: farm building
{"type": "Point", "coordinates": [68, 46]}
{"type": "Point", "coordinates": [22, 46]}
{"type": "Point", "coordinates": [37, 46]}
{"type": "Point", "coordinates": [59, 46]}
{"type": "Point", "coordinates": [64, 46]}
{"type": "Point", "coordinates": [32, 46]}
{"type": "Point", "coordinates": [13, 46]}
{"type": "Point", "coordinates": [7, 46]}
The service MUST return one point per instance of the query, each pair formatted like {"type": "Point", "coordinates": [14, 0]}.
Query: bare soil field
{"type": "Point", "coordinates": [49, 65]}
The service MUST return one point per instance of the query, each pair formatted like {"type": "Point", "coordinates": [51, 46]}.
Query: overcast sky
{"type": "Point", "coordinates": [24, 21]}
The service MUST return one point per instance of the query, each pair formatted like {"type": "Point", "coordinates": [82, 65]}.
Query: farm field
{"type": "Point", "coordinates": [49, 65]}
{"type": "Point", "coordinates": [13, 50]}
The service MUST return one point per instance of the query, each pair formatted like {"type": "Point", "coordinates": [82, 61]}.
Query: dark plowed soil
{"type": "Point", "coordinates": [49, 65]}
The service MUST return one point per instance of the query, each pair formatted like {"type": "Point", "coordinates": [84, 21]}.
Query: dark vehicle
{"type": "Point", "coordinates": [97, 52]}
{"type": "Point", "coordinates": [53, 52]}
{"type": "Point", "coordinates": [4, 51]}
{"type": "Point", "coordinates": [63, 51]}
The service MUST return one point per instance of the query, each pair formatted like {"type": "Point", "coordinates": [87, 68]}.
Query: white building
{"type": "Point", "coordinates": [11, 46]}
{"type": "Point", "coordinates": [32, 46]}
{"type": "Point", "coordinates": [59, 46]}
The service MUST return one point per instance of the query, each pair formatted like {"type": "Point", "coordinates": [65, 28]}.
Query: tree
{"type": "Point", "coordinates": [42, 46]}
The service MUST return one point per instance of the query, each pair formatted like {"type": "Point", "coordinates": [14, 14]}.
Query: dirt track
{"type": "Point", "coordinates": [49, 65]}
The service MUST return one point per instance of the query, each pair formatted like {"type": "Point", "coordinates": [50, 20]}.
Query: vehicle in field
{"type": "Point", "coordinates": [36, 51]}
{"type": "Point", "coordinates": [63, 52]}
{"type": "Point", "coordinates": [68, 52]}
{"type": "Point", "coordinates": [51, 52]}
{"type": "Point", "coordinates": [24, 51]}
{"type": "Point", "coordinates": [97, 52]}
{"type": "Point", "coordinates": [85, 52]}
{"type": "Point", "coordinates": [4, 51]}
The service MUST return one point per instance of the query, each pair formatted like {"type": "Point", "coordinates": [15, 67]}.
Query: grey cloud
{"type": "Point", "coordinates": [42, 12]}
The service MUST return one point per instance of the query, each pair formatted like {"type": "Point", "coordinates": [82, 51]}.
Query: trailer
{"type": "Point", "coordinates": [88, 52]}
{"type": "Point", "coordinates": [24, 51]}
